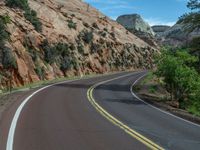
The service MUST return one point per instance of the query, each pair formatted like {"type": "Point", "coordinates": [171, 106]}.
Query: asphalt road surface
{"type": "Point", "coordinates": [65, 117]}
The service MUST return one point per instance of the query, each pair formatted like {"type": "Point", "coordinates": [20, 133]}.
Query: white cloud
{"type": "Point", "coordinates": [156, 21]}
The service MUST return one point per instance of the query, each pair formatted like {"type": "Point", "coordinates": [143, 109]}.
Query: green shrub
{"type": "Point", "coordinates": [103, 33]}
{"type": "Point", "coordinates": [181, 79]}
{"type": "Point", "coordinates": [62, 49]}
{"type": "Point", "coordinates": [29, 14]}
{"type": "Point", "coordinates": [66, 64]}
{"type": "Point", "coordinates": [40, 71]}
{"type": "Point", "coordinates": [72, 46]}
{"type": "Point", "coordinates": [6, 19]}
{"type": "Point", "coordinates": [72, 25]}
{"type": "Point", "coordinates": [153, 89]}
{"type": "Point", "coordinates": [86, 36]}
{"type": "Point", "coordinates": [95, 47]}
{"type": "Point", "coordinates": [8, 60]}
{"type": "Point", "coordinates": [80, 48]}
{"type": "Point", "coordinates": [22, 4]}
{"type": "Point", "coordinates": [86, 24]}
{"type": "Point", "coordinates": [4, 35]}
{"type": "Point", "coordinates": [49, 52]}
{"type": "Point", "coordinates": [105, 29]}
{"type": "Point", "coordinates": [33, 53]}
{"type": "Point", "coordinates": [94, 25]}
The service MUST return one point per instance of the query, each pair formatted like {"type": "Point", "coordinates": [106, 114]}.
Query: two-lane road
{"type": "Point", "coordinates": [63, 117]}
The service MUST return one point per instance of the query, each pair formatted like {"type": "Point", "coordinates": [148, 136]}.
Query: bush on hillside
{"type": "Point", "coordinates": [31, 16]}
{"type": "Point", "coordinates": [8, 60]}
{"type": "Point", "coordinates": [72, 25]}
{"type": "Point", "coordinates": [87, 36]}
{"type": "Point", "coordinates": [22, 4]}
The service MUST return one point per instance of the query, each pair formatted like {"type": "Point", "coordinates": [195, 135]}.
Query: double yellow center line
{"type": "Point", "coordinates": [150, 144]}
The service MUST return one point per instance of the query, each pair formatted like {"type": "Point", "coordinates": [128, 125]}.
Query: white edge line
{"type": "Point", "coordinates": [165, 112]}
{"type": "Point", "coordinates": [11, 133]}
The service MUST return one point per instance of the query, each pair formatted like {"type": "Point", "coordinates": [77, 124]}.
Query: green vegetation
{"type": "Point", "coordinates": [67, 64]}
{"type": "Point", "coordinates": [95, 47]}
{"type": "Point", "coordinates": [72, 25]}
{"type": "Point", "coordinates": [4, 35]}
{"type": "Point", "coordinates": [80, 48]}
{"type": "Point", "coordinates": [29, 14]}
{"type": "Point", "coordinates": [60, 54]}
{"type": "Point", "coordinates": [181, 79]}
{"type": "Point", "coordinates": [194, 16]}
{"type": "Point", "coordinates": [40, 72]}
{"type": "Point", "coordinates": [86, 36]}
{"type": "Point", "coordinates": [22, 4]}
{"type": "Point", "coordinates": [94, 25]}
{"type": "Point", "coordinates": [8, 60]}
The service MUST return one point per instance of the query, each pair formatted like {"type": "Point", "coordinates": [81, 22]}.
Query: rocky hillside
{"type": "Point", "coordinates": [178, 35]}
{"type": "Point", "coordinates": [160, 29]}
{"type": "Point", "coordinates": [136, 25]}
{"type": "Point", "coordinates": [47, 39]}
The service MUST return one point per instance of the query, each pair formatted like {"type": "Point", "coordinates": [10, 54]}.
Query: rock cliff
{"type": "Point", "coordinates": [178, 35]}
{"type": "Point", "coordinates": [160, 29]}
{"type": "Point", "coordinates": [136, 25]}
{"type": "Point", "coordinates": [75, 39]}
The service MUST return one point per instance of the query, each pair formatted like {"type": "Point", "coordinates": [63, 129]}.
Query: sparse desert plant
{"type": "Point", "coordinates": [40, 71]}
{"type": "Point", "coordinates": [8, 60]}
{"type": "Point", "coordinates": [80, 48]}
{"type": "Point", "coordinates": [31, 16]}
{"type": "Point", "coordinates": [22, 4]}
{"type": "Point", "coordinates": [72, 25]}
{"type": "Point", "coordinates": [94, 25]}
{"type": "Point", "coordinates": [86, 36]}
{"type": "Point", "coordinates": [86, 24]}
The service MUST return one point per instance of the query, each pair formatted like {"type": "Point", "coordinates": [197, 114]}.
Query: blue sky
{"type": "Point", "coordinates": [153, 11]}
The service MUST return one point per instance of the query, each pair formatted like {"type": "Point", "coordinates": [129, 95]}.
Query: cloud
{"type": "Point", "coordinates": [156, 21]}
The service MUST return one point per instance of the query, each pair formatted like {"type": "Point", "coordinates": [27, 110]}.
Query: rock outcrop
{"type": "Point", "coordinates": [75, 39]}
{"type": "Point", "coordinates": [178, 35]}
{"type": "Point", "coordinates": [136, 25]}
{"type": "Point", "coordinates": [160, 29]}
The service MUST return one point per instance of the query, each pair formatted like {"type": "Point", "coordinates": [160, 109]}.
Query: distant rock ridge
{"type": "Point", "coordinates": [178, 35]}
{"type": "Point", "coordinates": [160, 29]}
{"type": "Point", "coordinates": [136, 25]}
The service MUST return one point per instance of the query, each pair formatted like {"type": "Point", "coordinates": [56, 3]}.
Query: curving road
{"type": "Point", "coordinates": [99, 113]}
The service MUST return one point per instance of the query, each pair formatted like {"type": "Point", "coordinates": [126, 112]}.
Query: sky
{"type": "Point", "coordinates": [155, 12]}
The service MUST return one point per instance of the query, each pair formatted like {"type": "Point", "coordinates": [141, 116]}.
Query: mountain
{"type": "Point", "coordinates": [56, 38]}
{"type": "Point", "coordinates": [178, 35]}
{"type": "Point", "coordinates": [136, 25]}
{"type": "Point", "coordinates": [160, 29]}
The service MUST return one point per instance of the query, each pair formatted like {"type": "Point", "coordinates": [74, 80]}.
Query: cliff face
{"type": "Point", "coordinates": [160, 29]}
{"type": "Point", "coordinates": [178, 35]}
{"type": "Point", "coordinates": [136, 25]}
{"type": "Point", "coordinates": [75, 39]}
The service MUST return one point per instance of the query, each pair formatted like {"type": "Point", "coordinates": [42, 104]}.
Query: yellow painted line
{"type": "Point", "coordinates": [150, 144]}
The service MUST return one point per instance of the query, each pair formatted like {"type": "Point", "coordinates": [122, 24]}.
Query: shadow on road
{"type": "Point", "coordinates": [110, 87]}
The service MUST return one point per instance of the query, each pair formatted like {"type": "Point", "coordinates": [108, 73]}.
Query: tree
{"type": "Point", "coordinates": [192, 17]}
{"type": "Point", "coordinates": [194, 4]}
{"type": "Point", "coordinates": [180, 77]}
